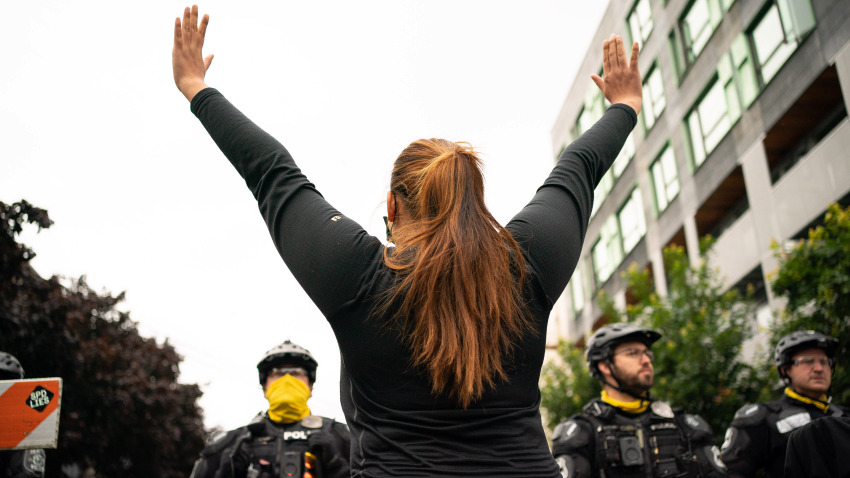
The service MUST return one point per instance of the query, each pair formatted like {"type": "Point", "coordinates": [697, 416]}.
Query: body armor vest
{"type": "Point", "coordinates": [275, 451]}
{"type": "Point", "coordinates": [647, 445]}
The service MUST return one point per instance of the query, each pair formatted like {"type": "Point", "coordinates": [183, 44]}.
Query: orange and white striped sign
{"type": "Point", "coordinates": [29, 413]}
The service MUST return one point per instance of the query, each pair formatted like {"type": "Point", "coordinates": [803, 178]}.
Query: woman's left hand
{"type": "Point", "coordinates": [187, 59]}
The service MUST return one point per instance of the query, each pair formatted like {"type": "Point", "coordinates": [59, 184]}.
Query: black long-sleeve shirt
{"type": "Point", "coordinates": [398, 426]}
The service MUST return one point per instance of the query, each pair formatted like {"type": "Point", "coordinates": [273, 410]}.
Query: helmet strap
{"type": "Point", "coordinates": [645, 396]}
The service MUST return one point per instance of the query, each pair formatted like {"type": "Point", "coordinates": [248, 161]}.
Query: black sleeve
{"type": "Point", "coordinates": [212, 455]}
{"type": "Point", "coordinates": [573, 446]}
{"type": "Point", "coordinates": [819, 449]}
{"type": "Point", "coordinates": [551, 227]}
{"type": "Point", "coordinates": [343, 439]}
{"type": "Point", "coordinates": [745, 449]}
{"type": "Point", "coordinates": [328, 253]}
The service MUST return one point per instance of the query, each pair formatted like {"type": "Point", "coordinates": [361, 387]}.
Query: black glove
{"type": "Point", "coordinates": [331, 460]}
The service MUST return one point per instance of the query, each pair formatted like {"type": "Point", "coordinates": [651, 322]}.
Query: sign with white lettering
{"type": "Point", "coordinates": [29, 413]}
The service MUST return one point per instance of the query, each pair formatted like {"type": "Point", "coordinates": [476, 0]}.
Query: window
{"type": "Point", "coordinates": [591, 111]}
{"type": "Point", "coordinates": [738, 75]}
{"type": "Point", "coordinates": [665, 179]}
{"type": "Point", "coordinates": [697, 25]}
{"type": "Point", "coordinates": [708, 122]}
{"type": "Point", "coordinates": [640, 21]}
{"type": "Point", "coordinates": [777, 33]}
{"type": "Point", "coordinates": [694, 29]}
{"type": "Point", "coordinates": [607, 252]}
{"type": "Point", "coordinates": [678, 56]}
{"type": "Point", "coordinates": [625, 156]}
{"type": "Point", "coordinates": [579, 287]}
{"type": "Point", "coordinates": [653, 97]}
{"type": "Point", "coordinates": [602, 190]}
{"type": "Point", "coordinates": [632, 221]}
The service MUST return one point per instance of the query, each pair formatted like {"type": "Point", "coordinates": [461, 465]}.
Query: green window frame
{"type": "Point", "coordinates": [640, 21]}
{"type": "Point", "coordinates": [607, 252]}
{"type": "Point", "coordinates": [709, 120]}
{"type": "Point", "coordinates": [697, 24]}
{"type": "Point", "coordinates": [665, 179]}
{"type": "Point", "coordinates": [632, 221]}
{"type": "Point", "coordinates": [654, 100]}
{"type": "Point", "coordinates": [777, 33]}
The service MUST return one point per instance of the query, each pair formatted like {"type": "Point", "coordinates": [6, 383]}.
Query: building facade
{"type": "Point", "coordinates": [743, 135]}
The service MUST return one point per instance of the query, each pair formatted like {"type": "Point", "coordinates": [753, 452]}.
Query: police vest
{"type": "Point", "coordinates": [657, 443]}
{"type": "Point", "coordinates": [274, 451]}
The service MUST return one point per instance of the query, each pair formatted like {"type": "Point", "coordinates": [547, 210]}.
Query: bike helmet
{"type": "Point", "coordinates": [601, 345]}
{"type": "Point", "coordinates": [10, 368]}
{"type": "Point", "coordinates": [288, 353]}
{"type": "Point", "coordinates": [801, 340]}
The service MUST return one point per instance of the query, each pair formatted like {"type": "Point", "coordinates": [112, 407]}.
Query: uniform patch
{"type": "Point", "coordinates": [729, 438]}
{"type": "Point", "coordinates": [717, 459]}
{"type": "Point", "coordinates": [312, 421]}
{"type": "Point", "coordinates": [662, 409]}
{"type": "Point", "coordinates": [34, 461]}
{"type": "Point", "coordinates": [793, 422]}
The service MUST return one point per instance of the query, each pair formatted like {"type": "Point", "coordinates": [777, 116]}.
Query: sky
{"type": "Point", "coordinates": [95, 131]}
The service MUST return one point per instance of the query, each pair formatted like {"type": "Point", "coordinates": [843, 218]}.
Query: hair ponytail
{"type": "Point", "coordinates": [460, 273]}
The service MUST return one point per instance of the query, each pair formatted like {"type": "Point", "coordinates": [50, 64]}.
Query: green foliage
{"type": "Point", "coordinates": [698, 360]}
{"type": "Point", "coordinates": [814, 279]}
{"type": "Point", "coordinates": [697, 365]}
{"type": "Point", "coordinates": [567, 385]}
{"type": "Point", "coordinates": [123, 411]}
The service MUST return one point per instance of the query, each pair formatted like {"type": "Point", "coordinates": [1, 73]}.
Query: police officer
{"type": "Point", "coordinates": [758, 436]}
{"type": "Point", "coordinates": [18, 463]}
{"type": "Point", "coordinates": [625, 433]}
{"type": "Point", "coordinates": [286, 440]}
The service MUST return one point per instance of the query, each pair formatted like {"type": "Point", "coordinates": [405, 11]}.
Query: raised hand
{"type": "Point", "coordinates": [187, 59]}
{"type": "Point", "coordinates": [620, 81]}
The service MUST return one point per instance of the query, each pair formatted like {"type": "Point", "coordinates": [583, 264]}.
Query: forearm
{"type": "Point", "coordinates": [553, 224]}
{"type": "Point", "coordinates": [584, 162]}
{"type": "Point", "coordinates": [316, 241]}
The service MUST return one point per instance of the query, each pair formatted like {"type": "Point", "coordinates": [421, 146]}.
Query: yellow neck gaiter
{"type": "Point", "coordinates": [287, 398]}
{"type": "Point", "coordinates": [634, 406]}
{"type": "Point", "coordinates": [822, 404]}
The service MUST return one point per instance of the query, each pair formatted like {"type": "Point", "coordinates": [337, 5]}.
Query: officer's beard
{"type": "Point", "coordinates": [636, 385]}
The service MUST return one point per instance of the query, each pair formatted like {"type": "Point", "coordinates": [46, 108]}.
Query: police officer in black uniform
{"type": "Point", "coordinates": [625, 433]}
{"type": "Point", "coordinates": [758, 436]}
{"type": "Point", "coordinates": [18, 463]}
{"type": "Point", "coordinates": [286, 440]}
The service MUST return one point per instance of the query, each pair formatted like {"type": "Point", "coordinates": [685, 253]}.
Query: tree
{"type": "Point", "coordinates": [697, 362]}
{"type": "Point", "coordinates": [567, 384]}
{"type": "Point", "coordinates": [814, 279]}
{"type": "Point", "coordinates": [123, 411]}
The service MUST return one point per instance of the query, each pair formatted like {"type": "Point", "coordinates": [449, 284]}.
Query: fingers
{"type": "Point", "coordinates": [621, 53]}
{"type": "Point", "coordinates": [612, 52]}
{"type": "Point", "coordinates": [186, 19]}
{"type": "Point", "coordinates": [600, 83]}
{"type": "Point", "coordinates": [203, 29]}
{"type": "Point", "coordinates": [606, 62]}
{"type": "Point", "coordinates": [177, 34]}
{"type": "Point", "coordinates": [193, 18]}
{"type": "Point", "coordinates": [208, 61]}
{"type": "Point", "coordinates": [633, 64]}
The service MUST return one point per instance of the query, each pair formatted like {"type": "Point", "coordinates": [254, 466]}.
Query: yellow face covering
{"type": "Point", "coordinates": [287, 398]}
{"type": "Point", "coordinates": [635, 406]}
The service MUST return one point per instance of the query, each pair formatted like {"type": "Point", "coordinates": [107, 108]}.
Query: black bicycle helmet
{"type": "Point", "coordinates": [601, 345]}
{"type": "Point", "coordinates": [287, 353]}
{"type": "Point", "coordinates": [801, 340]}
{"type": "Point", "coordinates": [10, 368]}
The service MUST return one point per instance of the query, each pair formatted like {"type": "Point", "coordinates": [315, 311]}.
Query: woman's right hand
{"type": "Point", "coordinates": [620, 81]}
{"type": "Point", "coordinates": [187, 60]}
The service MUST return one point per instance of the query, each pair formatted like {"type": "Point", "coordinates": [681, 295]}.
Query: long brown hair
{"type": "Point", "coordinates": [459, 273]}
